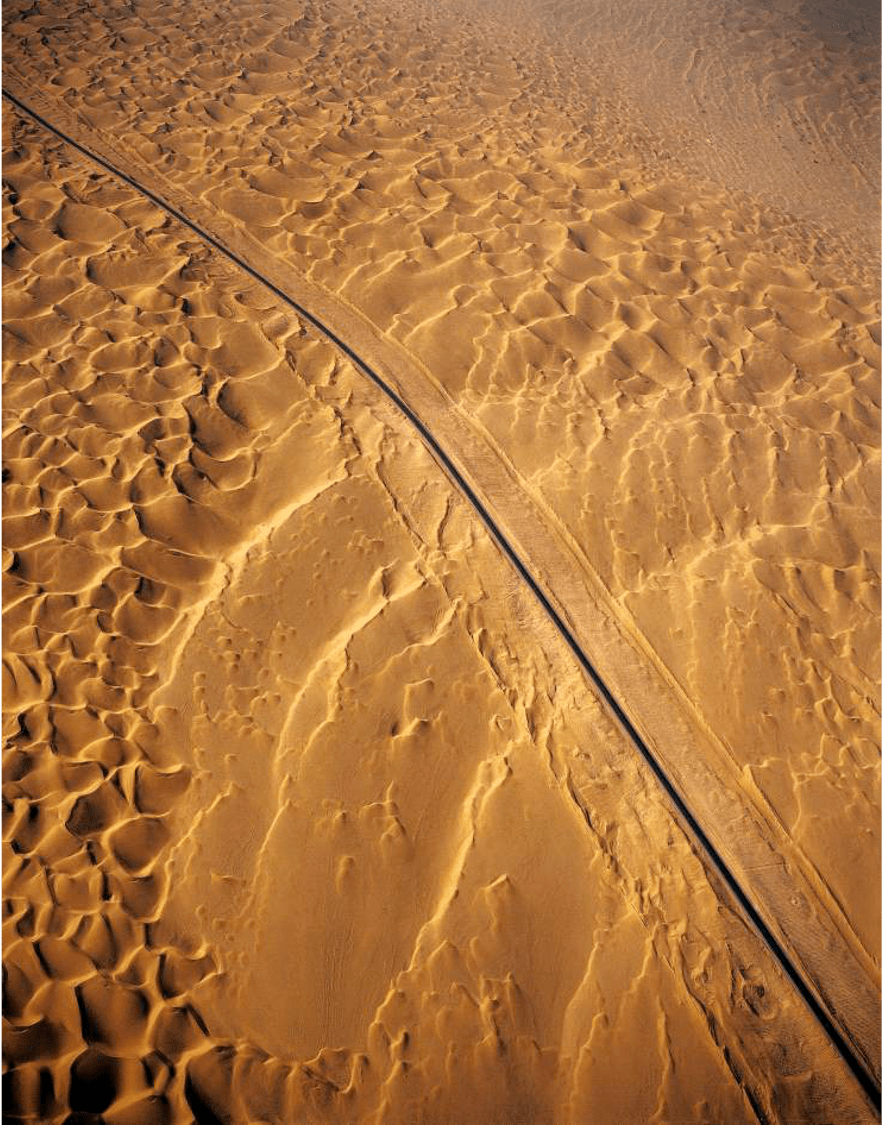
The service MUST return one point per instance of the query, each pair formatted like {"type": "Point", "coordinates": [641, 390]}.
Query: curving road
{"type": "Point", "coordinates": [859, 1057]}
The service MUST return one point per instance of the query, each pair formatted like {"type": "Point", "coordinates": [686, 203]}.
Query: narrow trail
{"type": "Point", "coordinates": [815, 1002]}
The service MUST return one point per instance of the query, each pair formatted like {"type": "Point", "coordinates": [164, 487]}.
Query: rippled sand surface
{"type": "Point", "coordinates": [312, 814]}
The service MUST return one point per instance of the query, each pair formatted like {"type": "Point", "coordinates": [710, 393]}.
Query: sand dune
{"type": "Point", "coordinates": [312, 813]}
{"type": "Point", "coordinates": [781, 100]}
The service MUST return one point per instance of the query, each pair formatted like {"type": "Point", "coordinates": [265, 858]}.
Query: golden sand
{"type": "Point", "coordinates": [313, 815]}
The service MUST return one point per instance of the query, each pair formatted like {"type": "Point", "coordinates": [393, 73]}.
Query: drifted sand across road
{"type": "Point", "coordinates": [312, 814]}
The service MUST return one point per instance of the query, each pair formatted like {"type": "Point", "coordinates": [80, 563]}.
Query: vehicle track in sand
{"type": "Point", "coordinates": [855, 1046]}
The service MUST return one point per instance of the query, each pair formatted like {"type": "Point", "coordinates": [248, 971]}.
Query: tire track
{"type": "Point", "coordinates": [816, 1003]}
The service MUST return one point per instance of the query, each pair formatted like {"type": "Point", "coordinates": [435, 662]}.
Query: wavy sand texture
{"type": "Point", "coordinates": [311, 815]}
{"type": "Point", "coordinates": [779, 99]}
{"type": "Point", "coordinates": [697, 414]}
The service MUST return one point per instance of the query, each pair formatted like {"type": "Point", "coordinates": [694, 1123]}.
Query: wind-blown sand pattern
{"type": "Point", "coordinates": [312, 813]}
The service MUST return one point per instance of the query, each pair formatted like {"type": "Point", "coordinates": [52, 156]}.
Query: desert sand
{"type": "Point", "coordinates": [441, 552]}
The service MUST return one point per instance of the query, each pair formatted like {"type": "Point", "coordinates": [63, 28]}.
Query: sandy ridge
{"type": "Point", "coordinates": [766, 861]}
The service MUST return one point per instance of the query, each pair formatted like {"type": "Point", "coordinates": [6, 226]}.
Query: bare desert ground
{"type": "Point", "coordinates": [441, 556]}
